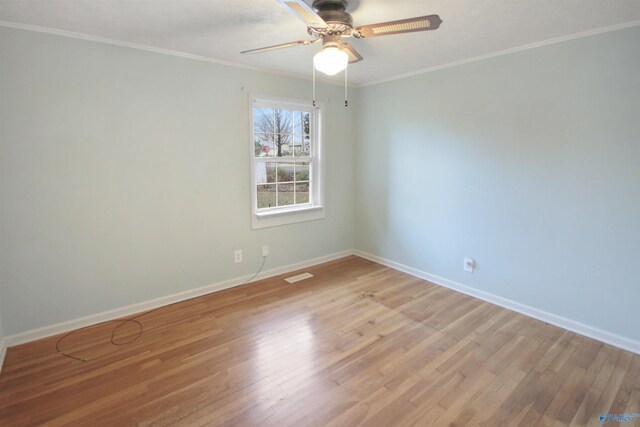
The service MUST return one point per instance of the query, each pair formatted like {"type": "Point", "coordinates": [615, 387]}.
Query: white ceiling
{"type": "Point", "coordinates": [220, 29]}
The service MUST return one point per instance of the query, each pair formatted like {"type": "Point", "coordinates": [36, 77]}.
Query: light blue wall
{"type": "Point", "coordinates": [528, 162]}
{"type": "Point", "coordinates": [124, 177]}
{"type": "Point", "coordinates": [1, 335]}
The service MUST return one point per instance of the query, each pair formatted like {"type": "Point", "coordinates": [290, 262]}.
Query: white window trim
{"type": "Point", "coordinates": [295, 213]}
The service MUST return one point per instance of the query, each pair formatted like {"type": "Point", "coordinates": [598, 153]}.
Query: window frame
{"type": "Point", "coordinates": [289, 214]}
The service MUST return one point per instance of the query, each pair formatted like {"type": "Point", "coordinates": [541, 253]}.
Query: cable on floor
{"type": "Point", "coordinates": [133, 320]}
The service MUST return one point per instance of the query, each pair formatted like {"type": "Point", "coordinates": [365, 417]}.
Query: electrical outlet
{"type": "Point", "coordinates": [237, 256]}
{"type": "Point", "coordinates": [469, 265]}
{"type": "Point", "coordinates": [265, 250]}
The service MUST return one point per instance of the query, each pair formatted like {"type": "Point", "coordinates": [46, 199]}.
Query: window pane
{"type": "Point", "coordinates": [265, 172]}
{"type": "Point", "coordinates": [266, 196]}
{"type": "Point", "coordinates": [285, 171]}
{"type": "Point", "coordinates": [263, 120]}
{"type": "Point", "coordinates": [285, 194]}
{"type": "Point", "coordinates": [264, 146]}
{"type": "Point", "coordinates": [283, 121]}
{"type": "Point", "coordinates": [306, 129]}
{"type": "Point", "coordinates": [301, 135]}
{"type": "Point", "coordinates": [302, 171]}
{"type": "Point", "coordinates": [306, 146]}
{"type": "Point", "coordinates": [297, 145]}
{"type": "Point", "coordinates": [306, 139]}
{"type": "Point", "coordinates": [302, 192]}
{"type": "Point", "coordinates": [298, 122]}
{"type": "Point", "coordinates": [283, 144]}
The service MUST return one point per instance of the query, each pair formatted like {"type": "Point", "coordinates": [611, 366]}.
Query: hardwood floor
{"type": "Point", "coordinates": [358, 344]}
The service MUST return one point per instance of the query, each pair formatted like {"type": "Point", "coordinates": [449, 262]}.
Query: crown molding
{"type": "Point", "coordinates": [104, 40]}
{"type": "Point", "coordinates": [535, 45]}
{"type": "Point", "coordinates": [113, 42]}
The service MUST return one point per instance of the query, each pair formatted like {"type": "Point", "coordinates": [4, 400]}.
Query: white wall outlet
{"type": "Point", "coordinates": [265, 250]}
{"type": "Point", "coordinates": [237, 255]}
{"type": "Point", "coordinates": [469, 265]}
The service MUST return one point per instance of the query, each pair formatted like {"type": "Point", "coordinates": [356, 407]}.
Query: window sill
{"type": "Point", "coordinates": [286, 216]}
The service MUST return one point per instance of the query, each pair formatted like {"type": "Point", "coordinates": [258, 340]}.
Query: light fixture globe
{"type": "Point", "coordinates": [331, 60]}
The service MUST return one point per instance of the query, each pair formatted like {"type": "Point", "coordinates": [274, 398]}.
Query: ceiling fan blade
{"type": "Point", "coordinates": [354, 56]}
{"type": "Point", "coordinates": [421, 23]}
{"type": "Point", "coordinates": [279, 46]}
{"type": "Point", "coordinates": [304, 12]}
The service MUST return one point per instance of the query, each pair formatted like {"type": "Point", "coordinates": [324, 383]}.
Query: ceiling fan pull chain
{"type": "Point", "coordinates": [346, 102]}
{"type": "Point", "coordinates": [313, 67]}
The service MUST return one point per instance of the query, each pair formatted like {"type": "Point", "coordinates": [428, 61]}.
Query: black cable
{"type": "Point", "coordinates": [134, 320]}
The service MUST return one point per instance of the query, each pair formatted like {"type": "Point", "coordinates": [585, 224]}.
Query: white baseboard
{"type": "Point", "coordinates": [3, 352]}
{"type": "Point", "coordinates": [70, 325]}
{"type": "Point", "coordinates": [562, 322]}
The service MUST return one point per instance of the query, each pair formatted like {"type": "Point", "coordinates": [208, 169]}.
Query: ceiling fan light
{"type": "Point", "coordinates": [331, 60]}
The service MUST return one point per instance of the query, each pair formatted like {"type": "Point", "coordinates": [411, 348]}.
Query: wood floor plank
{"type": "Point", "coordinates": [357, 344]}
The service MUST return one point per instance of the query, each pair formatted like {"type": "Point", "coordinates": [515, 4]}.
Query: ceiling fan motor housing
{"type": "Point", "coordinates": [330, 4]}
{"type": "Point", "coordinates": [333, 12]}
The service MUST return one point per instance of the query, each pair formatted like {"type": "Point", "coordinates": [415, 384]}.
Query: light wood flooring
{"type": "Point", "coordinates": [358, 344]}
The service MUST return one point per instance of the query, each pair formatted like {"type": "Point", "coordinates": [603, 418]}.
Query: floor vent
{"type": "Point", "coordinates": [299, 277]}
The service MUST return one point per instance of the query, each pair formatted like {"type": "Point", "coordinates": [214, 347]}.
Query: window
{"type": "Point", "coordinates": [286, 162]}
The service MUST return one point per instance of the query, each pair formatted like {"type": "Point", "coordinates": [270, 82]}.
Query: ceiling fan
{"type": "Point", "coordinates": [329, 21]}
